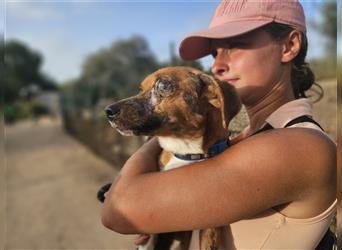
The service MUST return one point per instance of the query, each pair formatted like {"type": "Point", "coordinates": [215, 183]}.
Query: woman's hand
{"type": "Point", "coordinates": [145, 160]}
{"type": "Point", "coordinates": [141, 239]}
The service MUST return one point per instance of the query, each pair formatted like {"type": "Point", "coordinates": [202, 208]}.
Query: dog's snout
{"type": "Point", "coordinates": [111, 111]}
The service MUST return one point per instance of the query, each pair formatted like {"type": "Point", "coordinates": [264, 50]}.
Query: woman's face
{"type": "Point", "coordinates": [252, 63]}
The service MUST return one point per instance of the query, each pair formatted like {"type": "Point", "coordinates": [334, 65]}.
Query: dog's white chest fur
{"type": "Point", "coordinates": [176, 163]}
{"type": "Point", "coordinates": [181, 146]}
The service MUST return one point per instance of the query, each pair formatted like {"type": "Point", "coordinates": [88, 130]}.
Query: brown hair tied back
{"type": "Point", "coordinates": [302, 77]}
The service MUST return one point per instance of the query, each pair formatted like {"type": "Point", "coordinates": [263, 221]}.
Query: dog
{"type": "Point", "coordinates": [189, 112]}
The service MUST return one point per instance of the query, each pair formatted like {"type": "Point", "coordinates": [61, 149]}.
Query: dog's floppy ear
{"type": "Point", "coordinates": [222, 96]}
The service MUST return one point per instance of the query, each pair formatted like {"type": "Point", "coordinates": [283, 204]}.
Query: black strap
{"type": "Point", "coordinates": [264, 128]}
{"type": "Point", "coordinates": [303, 118]}
{"type": "Point", "coordinates": [300, 119]}
{"type": "Point", "coordinates": [327, 242]}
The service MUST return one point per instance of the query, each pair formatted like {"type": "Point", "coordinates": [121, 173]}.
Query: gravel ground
{"type": "Point", "coordinates": [52, 182]}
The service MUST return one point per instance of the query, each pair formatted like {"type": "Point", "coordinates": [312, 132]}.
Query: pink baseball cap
{"type": "Point", "coordinates": [236, 17]}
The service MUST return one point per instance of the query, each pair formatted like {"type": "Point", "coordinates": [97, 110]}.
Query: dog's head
{"type": "Point", "coordinates": [177, 102]}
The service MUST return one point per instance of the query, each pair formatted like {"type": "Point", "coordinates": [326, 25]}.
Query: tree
{"type": "Point", "coordinates": [116, 72]}
{"type": "Point", "coordinates": [328, 26]}
{"type": "Point", "coordinates": [325, 67]}
{"type": "Point", "coordinates": [21, 69]}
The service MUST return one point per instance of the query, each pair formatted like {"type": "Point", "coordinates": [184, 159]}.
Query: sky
{"type": "Point", "coordinates": [66, 32]}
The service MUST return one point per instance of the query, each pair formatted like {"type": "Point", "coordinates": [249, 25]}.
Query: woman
{"type": "Point", "coordinates": [272, 189]}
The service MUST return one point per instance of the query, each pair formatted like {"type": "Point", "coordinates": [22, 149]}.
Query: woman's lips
{"type": "Point", "coordinates": [231, 80]}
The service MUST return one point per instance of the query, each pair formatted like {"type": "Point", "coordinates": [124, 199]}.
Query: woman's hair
{"type": "Point", "coordinates": [302, 77]}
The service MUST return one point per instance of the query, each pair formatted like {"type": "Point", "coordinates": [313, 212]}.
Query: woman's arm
{"type": "Point", "coordinates": [145, 160]}
{"type": "Point", "coordinates": [269, 169]}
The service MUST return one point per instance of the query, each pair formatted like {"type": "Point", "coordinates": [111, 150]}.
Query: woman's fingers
{"type": "Point", "coordinates": [141, 239]}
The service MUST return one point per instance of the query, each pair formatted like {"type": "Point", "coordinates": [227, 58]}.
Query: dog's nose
{"type": "Point", "coordinates": [111, 111]}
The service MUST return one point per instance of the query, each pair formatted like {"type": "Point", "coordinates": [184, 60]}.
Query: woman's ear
{"type": "Point", "coordinates": [291, 46]}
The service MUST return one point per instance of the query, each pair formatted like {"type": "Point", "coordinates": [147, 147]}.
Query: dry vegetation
{"type": "Point", "coordinates": [325, 111]}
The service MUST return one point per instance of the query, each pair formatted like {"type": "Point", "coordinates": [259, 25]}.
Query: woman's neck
{"type": "Point", "coordinates": [259, 111]}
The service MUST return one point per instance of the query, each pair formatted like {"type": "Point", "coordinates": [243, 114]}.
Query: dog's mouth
{"type": "Point", "coordinates": [147, 126]}
{"type": "Point", "coordinates": [124, 132]}
{"type": "Point", "coordinates": [134, 116]}
{"type": "Point", "coordinates": [150, 127]}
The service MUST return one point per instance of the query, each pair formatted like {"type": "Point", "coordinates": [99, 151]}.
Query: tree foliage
{"type": "Point", "coordinates": [19, 69]}
{"type": "Point", "coordinates": [116, 72]}
{"type": "Point", "coordinates": [328, 25]}
{"type": "Point", "coordinates": [325, 67]}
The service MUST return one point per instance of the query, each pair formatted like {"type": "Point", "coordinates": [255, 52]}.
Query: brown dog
{"type": "Point", "coordinates": [189, 112]}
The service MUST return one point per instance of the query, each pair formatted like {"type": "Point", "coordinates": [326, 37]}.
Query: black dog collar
{"type": "Point", "coordinates": [216, 149]}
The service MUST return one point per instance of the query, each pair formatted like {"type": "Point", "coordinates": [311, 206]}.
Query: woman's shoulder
{"type": "Point", "coordinates": [304, 155]}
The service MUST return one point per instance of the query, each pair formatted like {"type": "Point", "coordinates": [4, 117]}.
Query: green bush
{"type": "Point", "coordinates": [10, 114]}
{"type": "Point", "coordinates": [21, 110]}
{"type": "Point", "coordinates": [24, 110]}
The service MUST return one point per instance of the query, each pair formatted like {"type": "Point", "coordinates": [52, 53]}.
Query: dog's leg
{"type": "Point", "coordinates": [210, 239]}
{"type": "Point", "coordinates": [163, 241]}
{"type": "Point", "coordinates": [184, 238]}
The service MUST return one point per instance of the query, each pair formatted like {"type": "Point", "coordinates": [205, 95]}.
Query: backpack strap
{"type": "Point", "coordinates": [303, 118]}
{"type": "Point", "coordinates": [266, 127]}
{"type": "Point", "coordinates": [300, 119]}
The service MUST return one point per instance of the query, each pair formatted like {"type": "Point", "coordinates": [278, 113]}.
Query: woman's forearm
{"type": "Point", "coordinates": [118, 202]}
{"type": "Point", "coordinates": [143, 161]}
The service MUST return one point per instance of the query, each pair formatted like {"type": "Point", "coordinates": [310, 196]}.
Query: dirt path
{"type": "Point", "coordinates": [52, 182]}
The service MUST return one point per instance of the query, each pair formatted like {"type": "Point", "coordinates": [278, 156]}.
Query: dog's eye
{"type": "Point", "coordinates": [164, 86]}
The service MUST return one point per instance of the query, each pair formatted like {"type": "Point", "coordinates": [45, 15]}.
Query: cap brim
{"type": "Point", "coordinates": [197, 45]}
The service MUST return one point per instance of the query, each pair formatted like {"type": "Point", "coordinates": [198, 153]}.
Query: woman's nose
{"type": "Point", "coordinates": [220, 66]}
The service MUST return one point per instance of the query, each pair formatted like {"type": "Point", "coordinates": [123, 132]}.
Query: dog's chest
{"type": "Point", "coordinates": [179, 146]}
{"type": "Point", "coordinates": [175, 162]}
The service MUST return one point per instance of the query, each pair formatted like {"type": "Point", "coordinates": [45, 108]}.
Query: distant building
{"type": "Point", "coordinates": [50, 100]}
